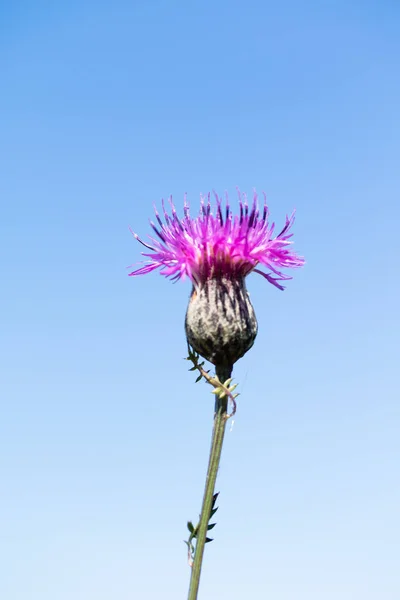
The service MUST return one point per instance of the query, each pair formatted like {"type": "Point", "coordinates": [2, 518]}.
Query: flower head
{"type": "Point", "coordinates": [217, 250]}
{"type": "Point", "coordinates": [218, 245]}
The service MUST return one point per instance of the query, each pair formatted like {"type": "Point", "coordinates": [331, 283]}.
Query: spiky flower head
{"type": "Point", "coordinates": [217, 250]}
{"type": "Point", "coordinates": [215, 245]}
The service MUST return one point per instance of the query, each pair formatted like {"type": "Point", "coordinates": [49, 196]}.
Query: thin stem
{"type": "Point", "coordinates": [220, 418]}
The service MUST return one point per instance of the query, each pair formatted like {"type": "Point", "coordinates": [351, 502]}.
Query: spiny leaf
{"type": "Point", "coordinates": [212, 513]}
{"type": "Point", "coordinates": [211, 526]}
{"type": "Point", "coordinates": [199, 378]}
{"type": "Point", "coordinates": [209, 540]}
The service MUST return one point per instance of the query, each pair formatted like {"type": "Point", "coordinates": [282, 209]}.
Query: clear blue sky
{"type": "Point", "coordinates": [104, 437]}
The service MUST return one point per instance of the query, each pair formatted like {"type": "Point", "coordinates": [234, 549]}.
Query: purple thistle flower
{"type": "Point", "coordinates": [220, 245]}
{"type": "Point", "coordinates": [217, 250]}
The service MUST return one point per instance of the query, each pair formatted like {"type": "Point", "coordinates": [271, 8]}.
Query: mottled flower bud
{"type": "Point", "coordinates": [220, 323]}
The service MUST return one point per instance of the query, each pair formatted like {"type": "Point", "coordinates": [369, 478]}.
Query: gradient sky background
{"type": "Point", "coordinates": [104, 437]}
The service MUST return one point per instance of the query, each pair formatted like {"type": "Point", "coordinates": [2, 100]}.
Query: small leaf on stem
{"type": "Point", "coordinates": [190, 526]}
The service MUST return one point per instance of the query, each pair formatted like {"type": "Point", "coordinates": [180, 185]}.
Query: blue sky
{"type": "Point", "coordinates": [106, 108]}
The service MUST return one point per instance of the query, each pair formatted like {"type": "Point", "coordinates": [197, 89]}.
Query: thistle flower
{"type": "Point", "coordinates": [217, 251]}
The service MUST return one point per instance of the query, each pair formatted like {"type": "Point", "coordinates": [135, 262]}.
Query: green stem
{"type": "Point", "coordinates": [220, 418]}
